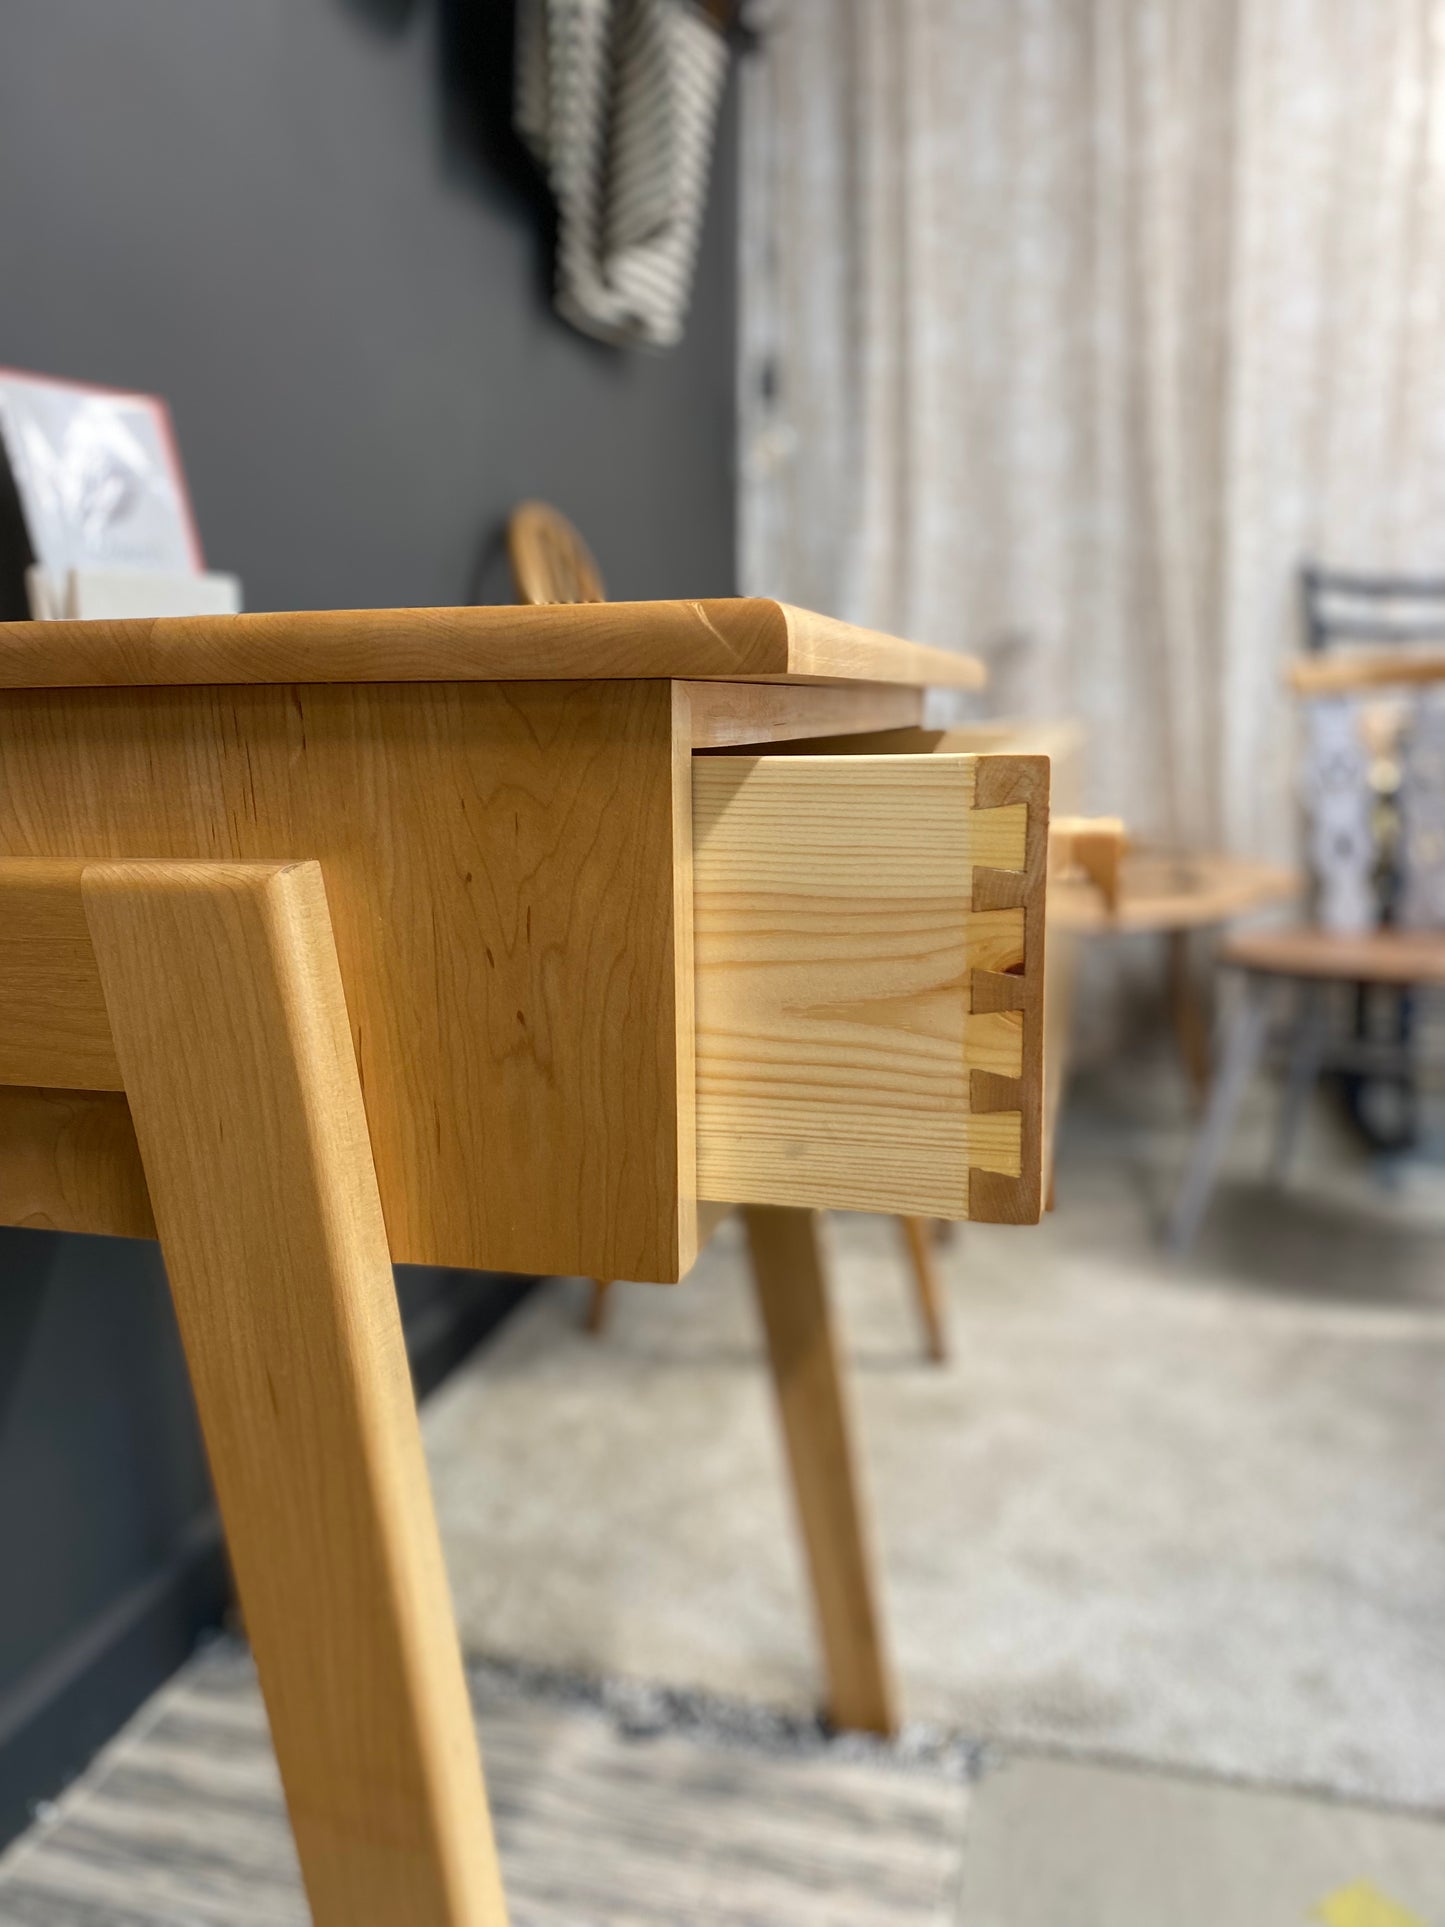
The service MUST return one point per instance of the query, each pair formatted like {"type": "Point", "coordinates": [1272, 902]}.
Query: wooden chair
{"type": "Point", "coordinates": [551, 563]}
{"type": "Point", "coordinates": [1292, 970]}
{"type": "Point", "coordinates": [439, 936]}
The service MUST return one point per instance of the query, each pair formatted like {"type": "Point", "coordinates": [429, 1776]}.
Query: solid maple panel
{"type": "Point", "coordinates": [507, 867]}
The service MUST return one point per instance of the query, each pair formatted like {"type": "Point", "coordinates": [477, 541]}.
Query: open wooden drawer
{"type": "Point", "coordinates": [869, 966]}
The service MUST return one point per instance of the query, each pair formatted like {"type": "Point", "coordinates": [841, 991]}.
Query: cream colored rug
{"type": "Point", "coordinates": [1190, 1518]}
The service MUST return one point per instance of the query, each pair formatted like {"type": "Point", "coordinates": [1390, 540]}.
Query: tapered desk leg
{"type": "Point", "coordinates": [230, 1026]}
{"type": "Point", "coordinates": [1186, 1012]}
{"type": "Point", "coordinates": [803, 1353]}
{"type": "Point", "coordinates": [918, 1236]}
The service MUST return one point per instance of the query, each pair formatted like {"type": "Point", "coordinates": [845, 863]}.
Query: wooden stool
{"type": "Point", "coordinates": [328, 940]}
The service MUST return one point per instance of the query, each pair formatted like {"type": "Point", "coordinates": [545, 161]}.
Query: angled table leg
{"type": "Point", "coordinates": [230, 1026]}
{"type": "Point", "coordinates": [918, 1237]}
{"type": "Point", "coordinates": [1186, 1012]}
{"type": "Point", "coordinates": [1244, 1045]}
{"type": "Point", "coordinates": [803, 1353]}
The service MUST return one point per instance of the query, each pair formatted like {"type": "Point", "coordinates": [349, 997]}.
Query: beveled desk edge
{"type": "Point", "coordinates": [741, 639]}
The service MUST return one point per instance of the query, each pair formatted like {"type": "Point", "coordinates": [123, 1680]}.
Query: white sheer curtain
{"type": "Point", "coordinates": [1072, 326]}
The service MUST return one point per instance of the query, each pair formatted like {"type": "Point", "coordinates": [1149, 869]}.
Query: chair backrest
{"type": "Point", "coordinates": [550, 561]}
{"type": "Point", "coordinates": [1394, 611]}
{"type": "Point", "coordinates": [1374, 774]}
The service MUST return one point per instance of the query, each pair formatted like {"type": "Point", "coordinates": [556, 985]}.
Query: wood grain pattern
{"type": "Point", "coordinates": [1056, 746]}
{"type": "Point", "coordinates": [822, 647]}
{"type": "Point", "coordinates": [739, 639]}
{"type": "Point", "coordinates": [54, 1030]}
{"type": "Point", "coordinates": [69, 1162]}
{"type": "Point", "coordinates": [836, 945]}
{"type": "Point", "coordinates": [1017, 782]}
{"type": "Point", "coordinates": [550, 561]}
{"type": "Point", "coordinates": [681, 1048]}
{"type": "Point", "coordinates": [506, 866]}
{"type": "Point", "coordinates": [807, 1372]}
{"type": "Point", "coordinates": [728, 713]}
{"type": "Point", "coordinates": [230, 1024]}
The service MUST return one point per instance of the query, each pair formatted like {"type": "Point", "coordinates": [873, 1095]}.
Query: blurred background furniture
{"type": "Point", "coordinates": [552, 563]}
{"type": "Point", "coordinates": [1373, 788]}
{"type": "Point", "coordinates": [1181, 897]}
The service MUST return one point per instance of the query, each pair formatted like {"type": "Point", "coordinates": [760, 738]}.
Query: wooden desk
{"type": "Point", "coordinates": [439, 935]}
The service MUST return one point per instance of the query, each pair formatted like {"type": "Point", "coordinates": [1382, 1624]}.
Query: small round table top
{"type": "Point", "coordinates": [1162, 891]}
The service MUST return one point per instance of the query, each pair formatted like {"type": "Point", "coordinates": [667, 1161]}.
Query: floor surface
{"type": "Point", "coordinates": [1164, 1571]}
{"type": "Point", "coordinates": [181, 1824]}
{"type": "Point", "coordinates": [1185, 1517]}
{"type": "Point", "coordinates": [1060, 1844]}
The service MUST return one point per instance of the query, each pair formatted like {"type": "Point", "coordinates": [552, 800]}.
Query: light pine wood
{"type": "Point", "coordinates": [927, 1290]}
{"type": "Point", "coordinates": [803, 1354]}
{"type": "Point", "coordinates": [230, 1024]}
{"type": "Point", "coordinates": [1017, 782]}
{"type": "Point", "coordinates": [550, 561]}
{"type": "Point", "coordinates": [1047, 1012]}
{"type": "Point", "coordinates": [866, 991]}
{"type": "Point", "coordinates": [738, 640]}
{"type": "Point", "coordinates": [508, 871]}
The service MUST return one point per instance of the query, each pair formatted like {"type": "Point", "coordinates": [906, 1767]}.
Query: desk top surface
{"type": "Point", "coordinates": [737, 640]}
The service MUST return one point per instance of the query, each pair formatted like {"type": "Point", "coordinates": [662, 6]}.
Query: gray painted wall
{"type": "Point", "coordinates": [304, 222]}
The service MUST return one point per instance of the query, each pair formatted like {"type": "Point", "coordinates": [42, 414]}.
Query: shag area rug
{"type": "Point", "coordinates": [1192, 1516]}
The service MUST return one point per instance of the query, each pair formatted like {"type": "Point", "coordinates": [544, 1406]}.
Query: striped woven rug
{"type": "Point", "coordinates": [180, 1823]}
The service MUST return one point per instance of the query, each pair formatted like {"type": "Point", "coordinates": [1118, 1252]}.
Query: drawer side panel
{"type": "Point", "coordinates": [840, 931]}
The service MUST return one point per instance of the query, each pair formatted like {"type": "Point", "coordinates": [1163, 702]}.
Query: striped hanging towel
{"type": "Point", "coordinates": [618, 100]}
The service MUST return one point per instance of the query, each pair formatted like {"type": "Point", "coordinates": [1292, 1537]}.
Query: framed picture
{"type": "Point", "coordinates": [97, 480]}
